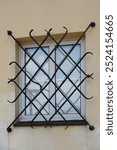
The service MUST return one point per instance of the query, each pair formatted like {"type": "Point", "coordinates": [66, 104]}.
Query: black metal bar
{"type": "Point", "coordinates": [92, 24]}
{"type": "Point", "coordinates": [9, 129]}
{"type": "Point", "coordinates": [29, 100]}
{"type": "Point", "coordinates": [57, 87]}
{"type": "Point", "coordinates": [36, 106]}
{"type": "Point", "coordinates": [30, 57]}
{"type": "Point", "coordinates": [67, 100]}
{"type": "Point", "coordinates": [57, 105]}
{"type": "Point", "coordinates": [32, 101]}
{"type": "Point", "coordinates": [51, 58]}
{"type": "Point", "coordinates": [35, 63]}
{"type": "Point", "coordinates": [58, 66]}
{"type": "Point", "coordinates": [70, 102]}
{"type": "Point", "coordinates": [53, 123]}
{"type": "Point", "coordinates": [53, 95]}
{"type": "Point", "coordinates": [34, 98]}
{"type": "Point", "coordinates": [14, 62]}
{"type": "Point", "coordinates": [60, 86]}
{"type": "Point", "coordinates": [48, 33]}
{"type": "Point", "coordinates": [68, 55]}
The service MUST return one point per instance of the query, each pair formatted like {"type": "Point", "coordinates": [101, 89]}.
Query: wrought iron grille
{"type": "Point", "coordinates": [33, 98]}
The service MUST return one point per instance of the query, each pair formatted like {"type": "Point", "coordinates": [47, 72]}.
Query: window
{"type": "Point", "coordinates": [50, 83]}
{"type": "Point", "coordinates": [50, 80]}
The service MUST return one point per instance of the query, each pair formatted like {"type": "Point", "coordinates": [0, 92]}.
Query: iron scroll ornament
{"type": "Point", "coordinates": [58, 88]}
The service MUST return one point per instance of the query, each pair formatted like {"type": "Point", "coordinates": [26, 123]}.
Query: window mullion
{"type": "Point", "coordinates": [83, 86]}
{"type": "Point", "coordinates": [52, 71]}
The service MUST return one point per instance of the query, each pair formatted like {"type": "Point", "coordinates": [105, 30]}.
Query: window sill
{"type": "Point", "coordinates": [52, 123]}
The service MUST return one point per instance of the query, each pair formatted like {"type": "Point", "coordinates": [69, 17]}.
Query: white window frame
{"type": "Point", "coordinates": [51, 44]}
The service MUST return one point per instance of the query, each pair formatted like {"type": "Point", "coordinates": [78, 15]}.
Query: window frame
{"type": "Point", "coordinates": [83, 87]}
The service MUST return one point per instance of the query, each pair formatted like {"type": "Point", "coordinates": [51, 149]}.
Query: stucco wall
{"type": "Point", "coordinates": [20, 17]}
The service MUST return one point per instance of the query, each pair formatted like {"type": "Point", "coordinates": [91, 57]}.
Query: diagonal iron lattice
{"type": "Point", "coordinates": [33, 97]}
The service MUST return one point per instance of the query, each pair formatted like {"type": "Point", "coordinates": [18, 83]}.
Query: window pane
{"type": "Point", "coordinates": [62, 77]}
{"type": "Point", "coordinates": [39, 77]}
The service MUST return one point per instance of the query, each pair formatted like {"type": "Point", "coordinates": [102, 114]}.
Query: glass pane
{"type": "Point", "coordinates": [67, 94]}
{"type": "Point", "coordinates": [39, 80]}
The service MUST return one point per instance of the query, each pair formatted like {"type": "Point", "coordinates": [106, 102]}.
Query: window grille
{"type": "Point", "coordinates": [65, 95]}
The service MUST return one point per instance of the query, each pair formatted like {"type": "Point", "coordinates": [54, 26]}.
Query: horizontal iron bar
{"type": "Point", "coordinates": [42, 123]}
{"type": "Point", "coordinates": [53, 123]}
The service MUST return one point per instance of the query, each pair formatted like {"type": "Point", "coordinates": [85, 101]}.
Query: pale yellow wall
{"type": "Point", "coordinates": [20, 16]}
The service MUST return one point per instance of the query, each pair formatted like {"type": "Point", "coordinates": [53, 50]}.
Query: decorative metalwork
{"type": "Point", "coordinates": [32, 95]}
